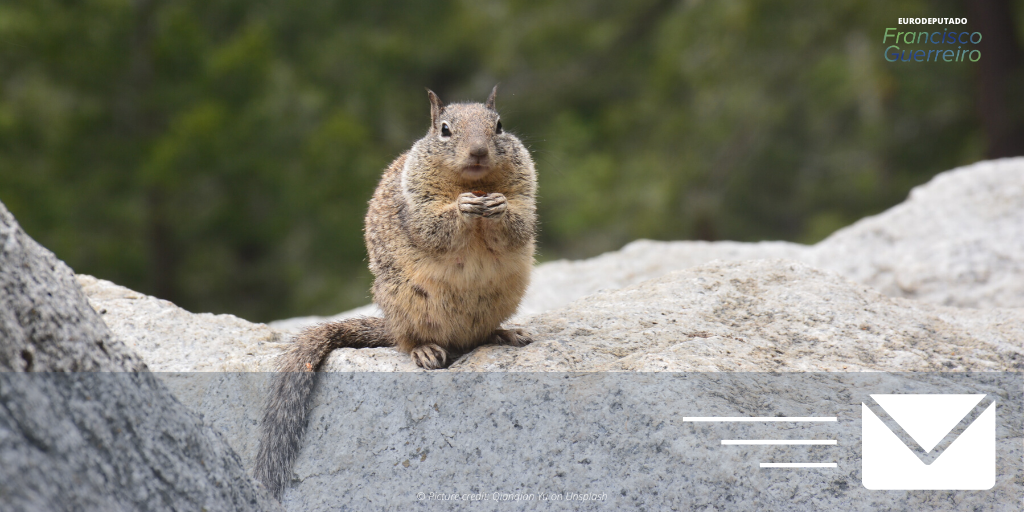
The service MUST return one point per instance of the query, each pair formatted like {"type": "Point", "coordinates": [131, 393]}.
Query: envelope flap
{"type": "Point", "coordinates": [928, 418]}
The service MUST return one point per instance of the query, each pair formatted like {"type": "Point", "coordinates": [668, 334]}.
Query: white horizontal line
{"type": "Point", "coordinates": [798, 464]}
{"type": "Point", "coordinates": [760, 418]}
{"type": "Point", "coordinates": [779, 441]}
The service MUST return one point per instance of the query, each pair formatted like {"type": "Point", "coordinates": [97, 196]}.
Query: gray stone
{"type": "Point", "coordinates": [83, 426]}
{"type": "Point", "coordinates": [376, 439]}
{"type": "Point", "coordinates": [45, 320]}
{"type": "Point", "coordinates": [758, 316]}
{"type": "Point", "coordinates": [387, 437]}
{"type": "Point", "coordinates": [755, 316]}
{"type": "Point", "coordinates": [557, 283]}
{"type": "Point", "coordinates": [958, 240]}
{"type": "Point", "coordinates": [171, 339]}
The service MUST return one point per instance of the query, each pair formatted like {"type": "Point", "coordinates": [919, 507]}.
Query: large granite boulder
{"type": "Point", "coordinates": [83, 425]}
{"type": "Point", "coordinates": [592, 404]}
{"type": "Point", "coordinates": [597, 402]}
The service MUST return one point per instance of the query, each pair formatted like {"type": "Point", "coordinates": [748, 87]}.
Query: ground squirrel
{"type": "Point", "coordinates": [450, 234]}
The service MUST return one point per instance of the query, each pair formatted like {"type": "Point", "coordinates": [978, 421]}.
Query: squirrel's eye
{"type": "Point", "coordinates": [445, 130]}
{"type": "Point", "coordinates": [497, 129]}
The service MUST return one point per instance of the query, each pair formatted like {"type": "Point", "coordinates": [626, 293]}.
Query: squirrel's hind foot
{"type": "Point", "coordinates": [510, 337]}
{"type": "Point", "coordinates": [430, 356]}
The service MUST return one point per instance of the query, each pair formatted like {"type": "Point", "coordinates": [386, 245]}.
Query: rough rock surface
{"type": "Point", "coordinates": [760, 316]}
{"type": "Point", "coordinates": [82, 425]}
{"type": "Point", "coordinates": [958, 240]}
{"type": "Point", "coordinates": [171, 339]}
{"type": "Point", "coordinates": [385, 438]}
{"type": "Point", "coordinates": [377, 438]}
{"type": "Point", "coordinates": [558, 283]}
{"type": "Point", "coordinates": [46, 323]}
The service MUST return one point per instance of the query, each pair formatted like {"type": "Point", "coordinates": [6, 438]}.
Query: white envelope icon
{"type": "Point", "coordinates": [927, 423]}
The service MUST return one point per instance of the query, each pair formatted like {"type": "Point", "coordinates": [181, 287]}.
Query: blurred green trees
{"type": "Point", "coordinates": [220, 153]}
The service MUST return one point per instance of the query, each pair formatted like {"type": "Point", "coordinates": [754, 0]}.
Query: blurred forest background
{"type": "Point", "coordinates": [220, 153]}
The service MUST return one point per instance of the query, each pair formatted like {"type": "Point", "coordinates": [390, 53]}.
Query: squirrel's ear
{"type": "Point", "coordinates": [435, 107]}
{"type": "Point", "coordinates": [490, 99]}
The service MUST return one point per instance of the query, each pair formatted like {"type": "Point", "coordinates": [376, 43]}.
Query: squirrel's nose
{"type": "Point", "coordinates": [478, 151]}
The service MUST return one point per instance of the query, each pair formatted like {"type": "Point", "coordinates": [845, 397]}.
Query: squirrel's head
{"type": "Point", "coordinates": [467, 136]}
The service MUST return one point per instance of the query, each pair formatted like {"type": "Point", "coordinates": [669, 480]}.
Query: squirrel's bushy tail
{"type": "Point", "coordinates": [287, 408]}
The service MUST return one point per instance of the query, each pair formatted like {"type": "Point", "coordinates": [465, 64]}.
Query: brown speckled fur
{"type": "Point", "coordinates": [451, 248]}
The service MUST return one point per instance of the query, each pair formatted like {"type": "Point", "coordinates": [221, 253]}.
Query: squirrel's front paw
{"type": "Point", "coordinates": [471, 204]}
{"type": "Point", "coordinates": [494, 205]}
{"type": "Point", "coordinates": [490, 205]}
